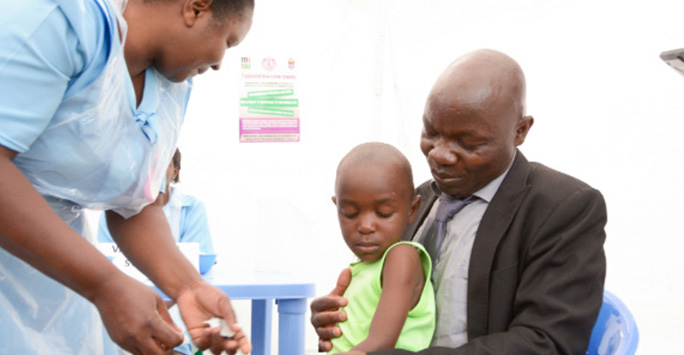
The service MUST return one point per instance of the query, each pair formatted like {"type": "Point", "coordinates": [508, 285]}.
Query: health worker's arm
{"type": "Point", "coordinates": [134, 314]}
{"type": "Point", "coordinates": [147, 242]}
{"type": "Point", "coordinates": [403, 279]}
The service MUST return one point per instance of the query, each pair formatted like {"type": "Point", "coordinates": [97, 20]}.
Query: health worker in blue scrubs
{"type": "Point", "coordinates": [92, 98]}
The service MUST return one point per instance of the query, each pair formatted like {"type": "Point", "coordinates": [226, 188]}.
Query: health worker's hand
{"type": "Point", "coordinates": [202, 302]}
{"type": "Point", "coordinates": [136, 317]}
{"type": "Point", "coordinates": [326, 313]}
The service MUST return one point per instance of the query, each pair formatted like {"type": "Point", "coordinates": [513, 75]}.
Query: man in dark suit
{"type": "Point", "coordinates": [521, 267]}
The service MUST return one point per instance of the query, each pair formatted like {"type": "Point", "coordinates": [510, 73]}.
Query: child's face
{"type": "Point", "coordinates": [374, 206]}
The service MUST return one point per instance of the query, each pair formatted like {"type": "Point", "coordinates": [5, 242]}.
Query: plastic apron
{"type": "Point", "coordinates": [109, 156]}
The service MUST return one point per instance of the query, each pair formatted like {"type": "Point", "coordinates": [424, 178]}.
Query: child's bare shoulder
{"type": "Point", "coordinates": [403, 267]}
{"type": "Point", "coordinates": [404, 251]}
{"type": "Point", "coordinates": [403, 257]}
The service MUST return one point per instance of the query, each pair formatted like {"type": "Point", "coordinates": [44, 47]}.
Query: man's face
{"type": "Point", "coordinates": [468, 143]}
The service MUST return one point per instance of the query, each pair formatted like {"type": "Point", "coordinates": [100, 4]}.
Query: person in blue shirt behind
{"type": "Point", "coordinates": [92, 97]}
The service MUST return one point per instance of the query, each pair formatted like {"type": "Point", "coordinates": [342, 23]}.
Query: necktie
{"type": "Point", "coordinates": [434, 236]}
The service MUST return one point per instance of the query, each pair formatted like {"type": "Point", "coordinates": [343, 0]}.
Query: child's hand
{"type": "Point", "coordinates": [325, 312]}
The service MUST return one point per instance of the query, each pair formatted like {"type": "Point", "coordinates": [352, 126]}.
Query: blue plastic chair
{"type": "Point", "coordinates": [615, 331]}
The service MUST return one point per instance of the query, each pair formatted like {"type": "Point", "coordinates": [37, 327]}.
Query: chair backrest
{"type": "Point", "coordinates": [615, 331]}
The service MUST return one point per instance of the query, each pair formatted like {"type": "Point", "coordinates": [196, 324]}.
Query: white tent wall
{"type": "Point", "coordinates": [607, 110]}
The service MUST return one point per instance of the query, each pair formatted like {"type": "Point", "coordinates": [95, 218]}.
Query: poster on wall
{"type": "Point", "coordinates": [269, 101]}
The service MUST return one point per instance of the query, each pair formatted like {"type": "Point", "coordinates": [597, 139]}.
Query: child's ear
{"type": "Point", "coordinates": [334, 200]}
{"type": "Point", "coordinates": [414, 208]}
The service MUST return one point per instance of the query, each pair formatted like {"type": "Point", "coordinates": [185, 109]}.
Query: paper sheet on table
{"type": "Point", "coordinates": [111, 250]}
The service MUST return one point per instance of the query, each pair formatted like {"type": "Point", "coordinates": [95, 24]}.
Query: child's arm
{"type": "Point", "coordinates": [403, 279]}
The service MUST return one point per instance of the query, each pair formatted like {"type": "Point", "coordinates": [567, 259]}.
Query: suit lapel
{"type": "Point", "coordinates": [495, 221]}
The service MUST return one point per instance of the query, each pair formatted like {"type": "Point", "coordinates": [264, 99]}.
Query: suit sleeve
{"type": "Point", "coordinates": [560, 287]}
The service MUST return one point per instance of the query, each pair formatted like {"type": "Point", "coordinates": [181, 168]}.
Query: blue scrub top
{"type": "Point", "coordinates": [67, 106]}
{"type": "Point", "coordinates": [50, 51]}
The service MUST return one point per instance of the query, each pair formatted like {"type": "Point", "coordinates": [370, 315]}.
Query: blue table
{"type": "Point", "coordinates": [264, 289]}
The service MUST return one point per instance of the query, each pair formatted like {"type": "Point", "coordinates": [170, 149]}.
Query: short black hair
{"type": "Point", "coordinates": [176, 160]}
{"type": "Point", "coordinates": [380, 155]}
{"type": "Point", "coordinates": [222, 8]}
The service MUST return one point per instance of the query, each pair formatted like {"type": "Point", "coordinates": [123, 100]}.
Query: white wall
{"type": "Point", "coordinates": [607, 110]}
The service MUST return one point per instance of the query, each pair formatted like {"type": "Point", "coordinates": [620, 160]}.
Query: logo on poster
{"type": "Point", "coordinates": [246, 63]}
{"type": "Point", "coordinates": [291, 63]}
{"type": "Point", "coordinates": [268, 64]}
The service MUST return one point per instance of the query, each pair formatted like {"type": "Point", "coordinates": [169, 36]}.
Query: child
{"type": "Point", "coordinates": [391, 299]}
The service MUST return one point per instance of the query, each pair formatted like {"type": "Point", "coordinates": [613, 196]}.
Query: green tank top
{"type": "Point", "coordinates": [363, 295]}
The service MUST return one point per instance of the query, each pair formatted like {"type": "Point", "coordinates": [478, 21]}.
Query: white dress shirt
{"type": "Point", "coordinates": [450, 272]}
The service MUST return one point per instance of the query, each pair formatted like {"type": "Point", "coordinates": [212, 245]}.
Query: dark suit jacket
{"type": "Point", "coordinates": [535, 281]}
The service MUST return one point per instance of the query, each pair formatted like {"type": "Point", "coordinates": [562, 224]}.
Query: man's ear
{"type": "Point", "coordinates": [522, 128]}
{"type": "Point", "coordinates": [334, 200]}
{"type": "Point", "coordinates": [414, 208]}
{"type": "Point", "coordinates": [195, 9]}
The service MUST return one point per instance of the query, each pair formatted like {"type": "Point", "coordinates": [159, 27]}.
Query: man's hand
{"type": "Point", "coordinates": [325, 312]}
{"type": "Point", "coordinates": [136, 317]}
{"type": "Point", "coordinates": [201, 302]}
